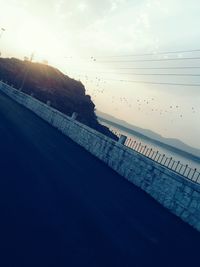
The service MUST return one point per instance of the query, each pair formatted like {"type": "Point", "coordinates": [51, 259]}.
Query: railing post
{"type": "Point", "coordinates": [186, 166]}
{"type": "Point", "coordinates": [144, 149]}
{"type": "Point", "coordinates": [177, 165]}
{"type": "Point", "coordinates": [172, 165]}
{"type": "Point", "coordinates": [131, 144]}
{"type": "Point", "coordinates": [156, 155]}
{"type": "Point", "coordinates": [189, 173]}
{"type": "Point", "coordinates": [122, 139]}
{"type": "Point", "coordinates": [74, 116]}
{"type": "Point", "coordinates": [128, 142]}
{"type": "Point", "coordinates": [140, 149]}
{"type": "Point", "coordinates": [146, 152]}
{"type": "Point", "coordinates": [48, 103]}
{"type": "Point", "coordinates": [165, 161]}
{"type": "Point", "coordinates": [162, 158]}
{"type": "Point", "coordinates": [169, 162]}
{"type": "Point", "coordinates": [153, 155]}
{"type": "Point", "coordinates": [134, 144]}
{"type": "Point", "coordinates": [181, 168]}
{"type": "Point", "coordinates": [150, 152]}
{"type": "Point", "coordinates": [193, 173]}
{"type": "Point", "coordinates": [198, 177]}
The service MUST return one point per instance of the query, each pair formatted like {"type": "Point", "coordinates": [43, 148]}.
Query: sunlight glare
{"type": "Point", "coordinates": [38, 38]}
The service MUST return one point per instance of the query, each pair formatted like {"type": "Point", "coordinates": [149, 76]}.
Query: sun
{"type": "Point", "coordinates": [36, 37]}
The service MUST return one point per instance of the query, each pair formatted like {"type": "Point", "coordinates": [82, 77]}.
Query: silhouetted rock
{"type": "Point", "coordinates": [49, 84]}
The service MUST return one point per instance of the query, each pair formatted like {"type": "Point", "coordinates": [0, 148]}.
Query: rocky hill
{"type": "Point", "coordinates": [49, 84]}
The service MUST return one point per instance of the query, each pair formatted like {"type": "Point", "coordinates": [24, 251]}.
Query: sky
{"type": "Point", "coordinates": [109, 45]}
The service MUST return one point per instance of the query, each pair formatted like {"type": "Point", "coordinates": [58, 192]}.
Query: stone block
{"type": "Point", "coordinates": [194, 204]}
{"type": "Point", "coordinates": [168, 203]}
{"type": "Point", "coordinates": [185, 214]}
{"type": "Point", "coordinates": [192, 220]}
{"type": "Point", "coordinates": [178, 209]}
{"type": "Point", "coordinates": [188, 190]}
{"type": "Point", "coordinates": [196, 195]}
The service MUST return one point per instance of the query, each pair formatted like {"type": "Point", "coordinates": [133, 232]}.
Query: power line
{"type": "Point", "coordinates": [157, 68]}
{"type": "Point", "coordinates": [159, 83]}
{"type": "Point", "coordinates": [162, 74]}
{"type": "Point", "coordinates": [149, 60]}
{"type": "Point", "coordinates": [148, 82]}
{"type": "Point", "coordinates": [152, 54]}
{"type": "Point", "coordinates": [94, 58]}
{"type": "Point", "coordinates": [135, 68]}
{"type": "Point", "coordinates": [144, 74]}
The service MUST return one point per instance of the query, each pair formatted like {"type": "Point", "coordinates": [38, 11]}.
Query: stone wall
{"type": "Point", "coordinates": [176, 193]}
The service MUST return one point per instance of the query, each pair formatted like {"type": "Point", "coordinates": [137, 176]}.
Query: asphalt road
{"type": "Point", "coordinates": [60, 206]}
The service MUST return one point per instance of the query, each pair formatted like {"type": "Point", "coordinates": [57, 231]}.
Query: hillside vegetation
{"type": "Point", "coordinates": [49, 84]}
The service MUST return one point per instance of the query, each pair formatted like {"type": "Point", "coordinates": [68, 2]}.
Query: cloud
{"type": "Point", "coordinates": [82, 7]}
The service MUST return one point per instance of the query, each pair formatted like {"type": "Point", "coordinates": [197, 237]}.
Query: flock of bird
{"type": "Point", "coordinates": [98, 86]}
{"type": "Point", "coordinates": [147, 106]}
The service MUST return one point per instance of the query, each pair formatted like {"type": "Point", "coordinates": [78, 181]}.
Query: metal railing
{"type": "Point", "coordinates": [162, 159]}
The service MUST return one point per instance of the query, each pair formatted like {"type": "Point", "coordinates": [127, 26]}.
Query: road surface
{"type": "Point", "coordinates": [60, 206]}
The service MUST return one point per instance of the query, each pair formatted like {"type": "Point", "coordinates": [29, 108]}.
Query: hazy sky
{"type": "Point", "coordinates": [69, 33]}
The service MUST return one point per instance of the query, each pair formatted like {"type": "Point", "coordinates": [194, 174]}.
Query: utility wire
{"type": "Point", "coordinates": [149, 60]}
{"type": "Point", "coordinates": [144, 74]}
{"type": "Point", "coordinates": [134, 68]}
{"type": "Point", "coordinates": [151, 54]}
{"type": "Point", "coordinates": [159, 83]}
{"type": "Point", "coordinates": [161, 68]}
{"type": "Point", "coordinates": [162, 74]}
{"type": "Point", "coordinates": [147, 82]}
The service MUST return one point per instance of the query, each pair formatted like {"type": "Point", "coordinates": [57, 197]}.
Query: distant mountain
{"type": "Point", "coordinates": [145, 133]}
{"type": "Point", "coordinates": [49, 84]}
